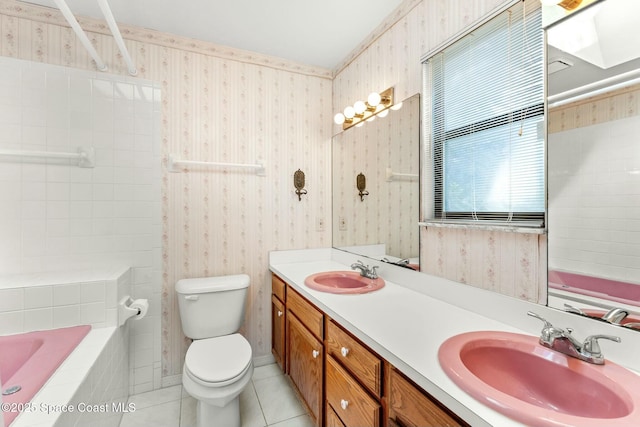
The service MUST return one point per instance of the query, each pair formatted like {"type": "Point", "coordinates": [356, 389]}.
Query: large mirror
{"type": "Point", "coordinates": [379, 221]}
{"type": "Point", "coordinates": [594, 162]}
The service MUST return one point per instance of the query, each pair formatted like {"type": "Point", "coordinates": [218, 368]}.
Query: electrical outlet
{"type": "Point", "coordinates": [319, 224]}
{"type": "Point", "coordinates": [342, 223]}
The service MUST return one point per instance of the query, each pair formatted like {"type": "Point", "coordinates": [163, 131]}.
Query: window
{"type": "Point", "coordinates": [485, 118]}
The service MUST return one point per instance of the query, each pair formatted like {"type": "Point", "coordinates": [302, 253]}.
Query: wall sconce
{"type": "Point", "coordinates": [361, 185]}
{"type": "Point", "coordinates": [566, 4]}
{"type": "Point", "coordinates": [298, 182]}
{"type": "Point", "coordinates": [361, 111]}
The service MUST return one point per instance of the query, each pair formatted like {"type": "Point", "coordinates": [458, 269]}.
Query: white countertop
{"type": "Point", "coordinates": [419, 307]}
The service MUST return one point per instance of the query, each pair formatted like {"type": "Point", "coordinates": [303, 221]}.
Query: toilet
{"type": "Point", "coordinates": [218, 364]}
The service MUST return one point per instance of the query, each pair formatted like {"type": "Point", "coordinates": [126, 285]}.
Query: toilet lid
{"type": "Point", "coordinates": [219, 359]}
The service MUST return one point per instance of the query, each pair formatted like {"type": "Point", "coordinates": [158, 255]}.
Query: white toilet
{"type": "Point", "coordinates": [218, 363]}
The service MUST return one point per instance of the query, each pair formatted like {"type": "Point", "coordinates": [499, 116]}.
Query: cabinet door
{"type": "Point", "coordinates": [409, 406]}
{"type": "Point", "coordinates": [332, 419]}
{"type": "Point", "coordinates": [277, 331]}
{"type": "Point", "coordinates": [305, 365]}
{"type": "Point", "coordinates": [349, 399]}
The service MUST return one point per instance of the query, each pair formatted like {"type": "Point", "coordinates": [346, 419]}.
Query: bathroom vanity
{"type": "Point", "coordinates": [360, 388]}
{"type": "Point", "coordinates": [372, 359]}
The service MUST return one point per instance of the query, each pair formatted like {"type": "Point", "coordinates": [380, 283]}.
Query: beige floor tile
{"type": "Point", "coordinates": [156, 397]}
{"type": "Point", "coordinates": [164, 415]}
{"type": "Point", "coordinates": [277, 399]}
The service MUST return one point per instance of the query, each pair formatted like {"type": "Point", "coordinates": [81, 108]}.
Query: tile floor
{"type": "Point", "coordinates": [268, 400]}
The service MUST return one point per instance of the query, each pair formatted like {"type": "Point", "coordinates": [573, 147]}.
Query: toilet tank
{"type": "Point", "coordinates": [212, 306]}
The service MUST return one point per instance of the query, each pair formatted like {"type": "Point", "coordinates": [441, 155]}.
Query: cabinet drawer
{"type": "Point", "coordinates": [278, 287]}
{"type": "Point", "coordinates": [358, 359]}
{"type": "Point", "coordinates": [350, 400]}
{"type": "Point", "coordinates": [409, 406]}
{"type": "Point", "coordinates": [310, 316]}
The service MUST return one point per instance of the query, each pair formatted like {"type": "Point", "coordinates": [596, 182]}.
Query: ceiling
{"type": "Point", "coordinates": [599, 42]}
{"type": "Point", "coordinates": [319, 33]}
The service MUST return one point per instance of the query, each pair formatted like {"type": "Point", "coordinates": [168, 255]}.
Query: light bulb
{"type": "Point", "coordinates": [359, 107]}
{"type": "Point", "coordinates": [383, 113]}
{"type": "Point", "coordinates": [397, 106]}
{"type": "Point", "coordinates": [374, 99]}
{"type": "Point", "coordinates": [339, 118]}
{"type": "Point", "coordinates": [349, 112]}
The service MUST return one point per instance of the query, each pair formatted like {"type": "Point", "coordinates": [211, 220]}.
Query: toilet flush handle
{"type": "Point", "coordinates": [191, 297]}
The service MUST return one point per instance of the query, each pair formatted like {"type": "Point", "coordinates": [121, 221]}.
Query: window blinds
{"type": "Point", "coordinates": [487, 122]}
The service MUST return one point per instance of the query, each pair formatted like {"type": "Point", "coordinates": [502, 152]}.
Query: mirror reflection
{"type": "Point", "coordinates": [594, 162]}
{"type": "Point", "coordinates": [383, 224]}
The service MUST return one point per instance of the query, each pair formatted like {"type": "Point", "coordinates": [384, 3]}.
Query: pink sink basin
{"type": "Point", "coordinates": [343, 282]}
{"type": "Point", "coordinates": [537, 386]}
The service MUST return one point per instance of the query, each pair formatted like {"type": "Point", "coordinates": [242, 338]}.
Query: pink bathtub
{"type": "Point", "coordinates": [28, 360]}
{"type": "Point", "coordinates": [612, 290]}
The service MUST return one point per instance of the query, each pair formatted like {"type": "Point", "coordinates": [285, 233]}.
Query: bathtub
{"type": "Point", "coordinates": [28, 360]}
{"type": "Point", "coordinates": [611, 290]}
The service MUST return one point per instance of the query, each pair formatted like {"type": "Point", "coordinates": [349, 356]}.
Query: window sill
{"type": "Point", "coordinates": [506, 227]}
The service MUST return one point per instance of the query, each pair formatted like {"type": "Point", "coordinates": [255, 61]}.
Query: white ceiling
{"type": "Point", "coordinates": [319, 33]}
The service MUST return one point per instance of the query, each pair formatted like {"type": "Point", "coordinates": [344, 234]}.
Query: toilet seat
{"type": "Point", "coordinates": [219, 361]}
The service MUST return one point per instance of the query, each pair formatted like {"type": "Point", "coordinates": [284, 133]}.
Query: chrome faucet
{"type": "Point", "coordinates": [562, 341]}
{"type": "Point", "coordinates": [615, 315]}
{"type": "Point", "coordinates": [365, 271]}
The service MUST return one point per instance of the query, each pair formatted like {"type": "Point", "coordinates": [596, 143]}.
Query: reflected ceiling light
{"type": "Point", "coordinates": [566, 4]}
{"type": "Point", "coordinates": [361, 111]}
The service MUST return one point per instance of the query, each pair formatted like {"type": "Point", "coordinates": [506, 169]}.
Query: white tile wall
{"type": "Point", "coordinates": [57, 301]}
{"type": "Point", "coordinates": [55, 216]}
{"type": "Point", "coordinates": [594, 199]}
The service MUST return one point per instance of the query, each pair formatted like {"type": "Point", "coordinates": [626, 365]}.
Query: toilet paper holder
{"type": "Point", "coordinates": [128, 308]}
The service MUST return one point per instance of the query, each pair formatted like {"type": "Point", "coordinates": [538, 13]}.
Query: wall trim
{"type": "Point", "coordinates": [129, 32]}
{"type": "Point", "coordinates": [400, 12]}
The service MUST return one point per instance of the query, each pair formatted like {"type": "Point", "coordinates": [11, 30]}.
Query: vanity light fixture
{"type": "Point", "coordinates": [566, 4]}
{"type": "Point", "coordinates": [361, 111]}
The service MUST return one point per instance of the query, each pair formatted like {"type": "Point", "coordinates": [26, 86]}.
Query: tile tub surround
{"type": "Point", "coordinates": [95, 373]}
{"type": "Point", "coordinates": [416, 303]}
{"type": "Point", "coordinates": [57, 217]}
{"type": "Point", "coordinates": [40, 301]}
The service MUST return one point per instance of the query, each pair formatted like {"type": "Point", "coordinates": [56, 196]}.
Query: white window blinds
{"type": "Point", "coordinates": [487, 122]}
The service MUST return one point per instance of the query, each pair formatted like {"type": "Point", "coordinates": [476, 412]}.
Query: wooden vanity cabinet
{"type": "Point", "coordinates": [278, 325]}
{"type": "Point", "coordinates": [409, 406]}
{"type": "Point", "coordinates": [342, 382]}
{"type": "Point", "coordinates": [305, 352]}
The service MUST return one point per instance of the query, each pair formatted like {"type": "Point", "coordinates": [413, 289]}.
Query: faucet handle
{"type": "Point", "coordinates": [592, 347]}
{"type": "Point", "coordinates": [547, 324]}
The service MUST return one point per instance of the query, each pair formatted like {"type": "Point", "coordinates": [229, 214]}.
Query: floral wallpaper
{"type": "Point", "coordinates": [222, 104]}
